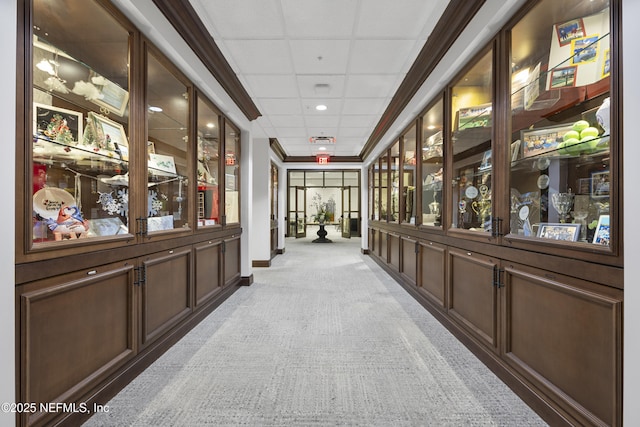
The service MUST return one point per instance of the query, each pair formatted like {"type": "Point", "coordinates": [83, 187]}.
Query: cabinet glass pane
{"type": "Point", "coordinates": [314, 179]}
{"type": "Point", "coordinates": [167, 166]}
{"type": "Point", "coordinates": [384, 188]}
{"type": "Point", "coordinates": [208, 164]}
{"type": "Point", "coordinates": [232, 174]}
{"type": "Point", "coordinates": [80, 148]}
{"type": "Point", "coordinates": [471, 102]}
{"type": "Point", "coordinates": [432, 158]}
{"type": "Point", "coordinates": [296, 178]}
{"type": "Point", "coordinates": [375, 187]}
{"type": "Point", "coordinates": [333, 179]}
{"type": "Point", "coordinates": [560, 169]}
{"type": "Point", "coordinates": [395, 182]}
{"type": "Point", "coordinates": [409, 175]}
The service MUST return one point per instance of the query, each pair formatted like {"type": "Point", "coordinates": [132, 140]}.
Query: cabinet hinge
{"type": "Point", "coordinates": [496, 227]}
{"type": "Point", "coordinates": [417, 249]}
{"type": "Point", "coordinates": [142, 226]}
{"type": "Point", "coordinates": [223, 247]}
{"type": "Point", "coordinates": [141, 275]}
{"type": "Point", "coordinates": [497, 277]}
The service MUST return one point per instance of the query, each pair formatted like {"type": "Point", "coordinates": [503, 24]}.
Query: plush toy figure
{"type": "Point", "coordinates": [69, 223]}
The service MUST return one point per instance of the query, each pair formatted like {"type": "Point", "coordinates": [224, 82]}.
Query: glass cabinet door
{"type": "Point", "coordinates": [395, 182]}
{"type": "Point", "coordinates": [231, 174]}
{"type": "Point", "coordinates": [208, 167]}
{"type": "Point", "coordinates": [80, 149]}
{"type": "Point", "coordinates": [384, 187]}
{"type": "Point", "coordinates": [167, 157]}
{"type": "Point", "coordinates": [432, 162]}
{"type": "Point", "coordinates": [409, 175]}
{"type": "Point", "coordinates": [471, 107]}
{"type": "Point", "coordinates": [561, 175]}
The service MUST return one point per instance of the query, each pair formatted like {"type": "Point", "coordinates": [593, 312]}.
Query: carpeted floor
{"type": "Point", "coordinates": [322, 338]}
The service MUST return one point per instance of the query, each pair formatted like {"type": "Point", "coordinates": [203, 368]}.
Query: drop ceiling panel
{"type": "Point", "coordinates": [247, 19]}
{"type": "Point", "coordinates": [287, 121]}
{"type": "Point", "coordinates": [393, 19]}
{"type": "Point", "coordinates": [345, 132]}
{"type": "Point", "coordinates": [322, 121]}
{"type": "Point", "coordinates": [334, 106]}
{"type": "Point", "coordinates": [272, 86]}
{"type": "Point", "coordinates": [320, 56]}
{"type": "Point", "coordinates": [381, 56]}
{"type": "Point", "coordinates": [371, 85]}
{"type": "Point", "coordinates": [358, 121]}
{"type": "Point", "coordinates": [280, 106]}
{"type": "Point", "coordinates": [319, 19]}
{"type": "Point", "coordinates": [299, 132]}
{"type": "Point", "coordinates": [261, 56]}
{"type": "Point", "coordinates": [365, 106]}
{"type": "Point", "coordinates": [307, 85]}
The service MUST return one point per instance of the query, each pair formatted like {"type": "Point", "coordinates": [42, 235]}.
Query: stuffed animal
{"type": "Point", "coordinates": [69, 223]}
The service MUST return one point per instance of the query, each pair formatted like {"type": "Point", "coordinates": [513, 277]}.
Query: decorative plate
{"type": "Point", "coordinates": [48, 201]}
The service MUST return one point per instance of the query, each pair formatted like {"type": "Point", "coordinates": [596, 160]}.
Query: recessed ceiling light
{"type": "Point", "coordinates": [211, 125]}
{"type": "Point", "coordinates": [322, 148]}
{"type": "Point", "coordinates": [431, 127]}
{"type": "Point", "coordinates": [321, 107]}
{"type": "Point", "coordinates": [155, 109]}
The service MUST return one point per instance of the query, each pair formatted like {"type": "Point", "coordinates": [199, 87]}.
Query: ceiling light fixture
{"type": "Point", "coordinates": [321, 107]}
{"type": "Point", "coordinates": [322, 148]}
{"type": "Point", "coordinates": [211, 125]}
{"type": "Point", "coordinates": [155, 109]}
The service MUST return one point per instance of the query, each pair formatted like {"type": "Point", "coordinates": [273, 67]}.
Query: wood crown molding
{"type": "Point", "coordinates": [277, 148]}
{"type": "Point", "coordinates": [185, 20]}
{"type": "Point", "coordinates": [451, 24]}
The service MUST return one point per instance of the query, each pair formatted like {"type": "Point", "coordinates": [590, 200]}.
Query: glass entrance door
{"type": "Point", "coordinates": [345, 219]}
{"type": "Point", "coordinates": [301, 226]}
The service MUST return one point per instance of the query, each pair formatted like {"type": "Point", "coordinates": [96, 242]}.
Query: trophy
{"type": "Point", "coordinates": [562, 203]}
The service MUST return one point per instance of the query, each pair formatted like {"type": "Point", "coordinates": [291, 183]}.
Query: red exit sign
{"type": "Point", "coordinates": [323, 160]}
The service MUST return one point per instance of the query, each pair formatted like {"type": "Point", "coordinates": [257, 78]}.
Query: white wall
{"type": "Point", "coordinates": [631, 88]}
{"type": "Point", "coordinates": [261, 209]}
{"type": "Point", "coordinates": [7, 177]}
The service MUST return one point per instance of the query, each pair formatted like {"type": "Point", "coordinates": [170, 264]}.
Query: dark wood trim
{"type": "Point", "coordinates": [261, 263]}
{"type": "Point", "coordinates": [246, 280]}
{"type": "Point", "coordinates": [332, 159]}
{"type": "Point", "coordinates": [185, 20]}
{"type": "Point", "coordinates": [451, 24]}
{"type": "Point", "coordinates": [277, 148]}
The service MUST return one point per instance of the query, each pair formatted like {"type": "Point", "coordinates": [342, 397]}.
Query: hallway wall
{"type": "Point", "coordinates": [7, 176]}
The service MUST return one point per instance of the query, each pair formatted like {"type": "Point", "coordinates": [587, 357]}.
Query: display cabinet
{"type": "Point", "coordinates": [78, 159]}
{"type": "Point", "coordinates": [432, 156]}
{"type": "Point", "coordinates": [231, 174]}
{"type": "Point", "coordinates": [561, 171]}
{"type": "Point", "coordinates": [519, 252]}
{"type": "Point", "coordinates": [394, 182]}
{"type": "Point", "coordinates": [208, 163]}
{"type": "Point", "coordinates": [471, 98]}
{"type": "Point", "coordinates": [409, 175]}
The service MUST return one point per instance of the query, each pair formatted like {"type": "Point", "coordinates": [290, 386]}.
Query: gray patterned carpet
{"type": "Point", "coordinates": [322, 338]}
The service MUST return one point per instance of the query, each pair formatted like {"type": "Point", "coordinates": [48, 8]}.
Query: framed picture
{"type": "Point", "coordinates": [478, 116]}
{"type": "Point", "coordinates": [540, 141]}
{"type": "Point", "coordinates": [563, 77]}
{"type": "Point", "coordinates": [160, 164]}
{"type": "Point", "coordinates": [606, 64]}
{"type": "Point", "coordinates": [57, 124]}
{"type": "Point", "coordinates": [569, 30]}
{"type": "Point", "coordinates": [558, 231]}
{"type": "Point", "coordinates": [151, 147]}
{"type": "Point", "coordinates": [600, 185]}
{"type": "Point", "coordinates": [112, 97]}
{"type": "Point", "coordinates": [584, 50]}
{"type": "Point", "coordinates": [602, 236]}
{"type": "Point", "coordinates": [109, 135]}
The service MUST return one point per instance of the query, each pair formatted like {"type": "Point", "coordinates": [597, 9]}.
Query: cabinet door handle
{"type": "Point", "coordinates": [171, 251]}
{"type": "Point", "coordinates": [91, 273]}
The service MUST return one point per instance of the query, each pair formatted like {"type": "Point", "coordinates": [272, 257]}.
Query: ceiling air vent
{"type": "Point", "coordinates": [322, 140]}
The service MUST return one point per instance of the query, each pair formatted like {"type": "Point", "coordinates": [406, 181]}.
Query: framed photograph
{"type": "Point", "coordinates": [151, 147]}
{"type": "Point", "coordinates": [57, 124]}
{"type": "Point", "coordinates": [569, 30]}
{"type": "Point", "coordinates": [112, 97]}
{"type": "Point", "coordinates": [602, 236]}
{"type": "Point", "coordinates": [606, 64]}
{"type": "Point", "coordinates": [584, 50]}
{"type": "Point", "coordinates": [160, 164]}
{"type": "Point", "coordinates": [540, 141]}
{"type": "Point", "coordinates": [558, 231]}
{"type": "Point", "coordinates": [600, 185]}
{"type": "Point", "coordinates": [563, 77]}
{"type": "Point", "coordinates": [109, 135]}
{"type": "Point", "coordinates": [515, 150]}
{"type": "Point", "coordinates": [478, 116]}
